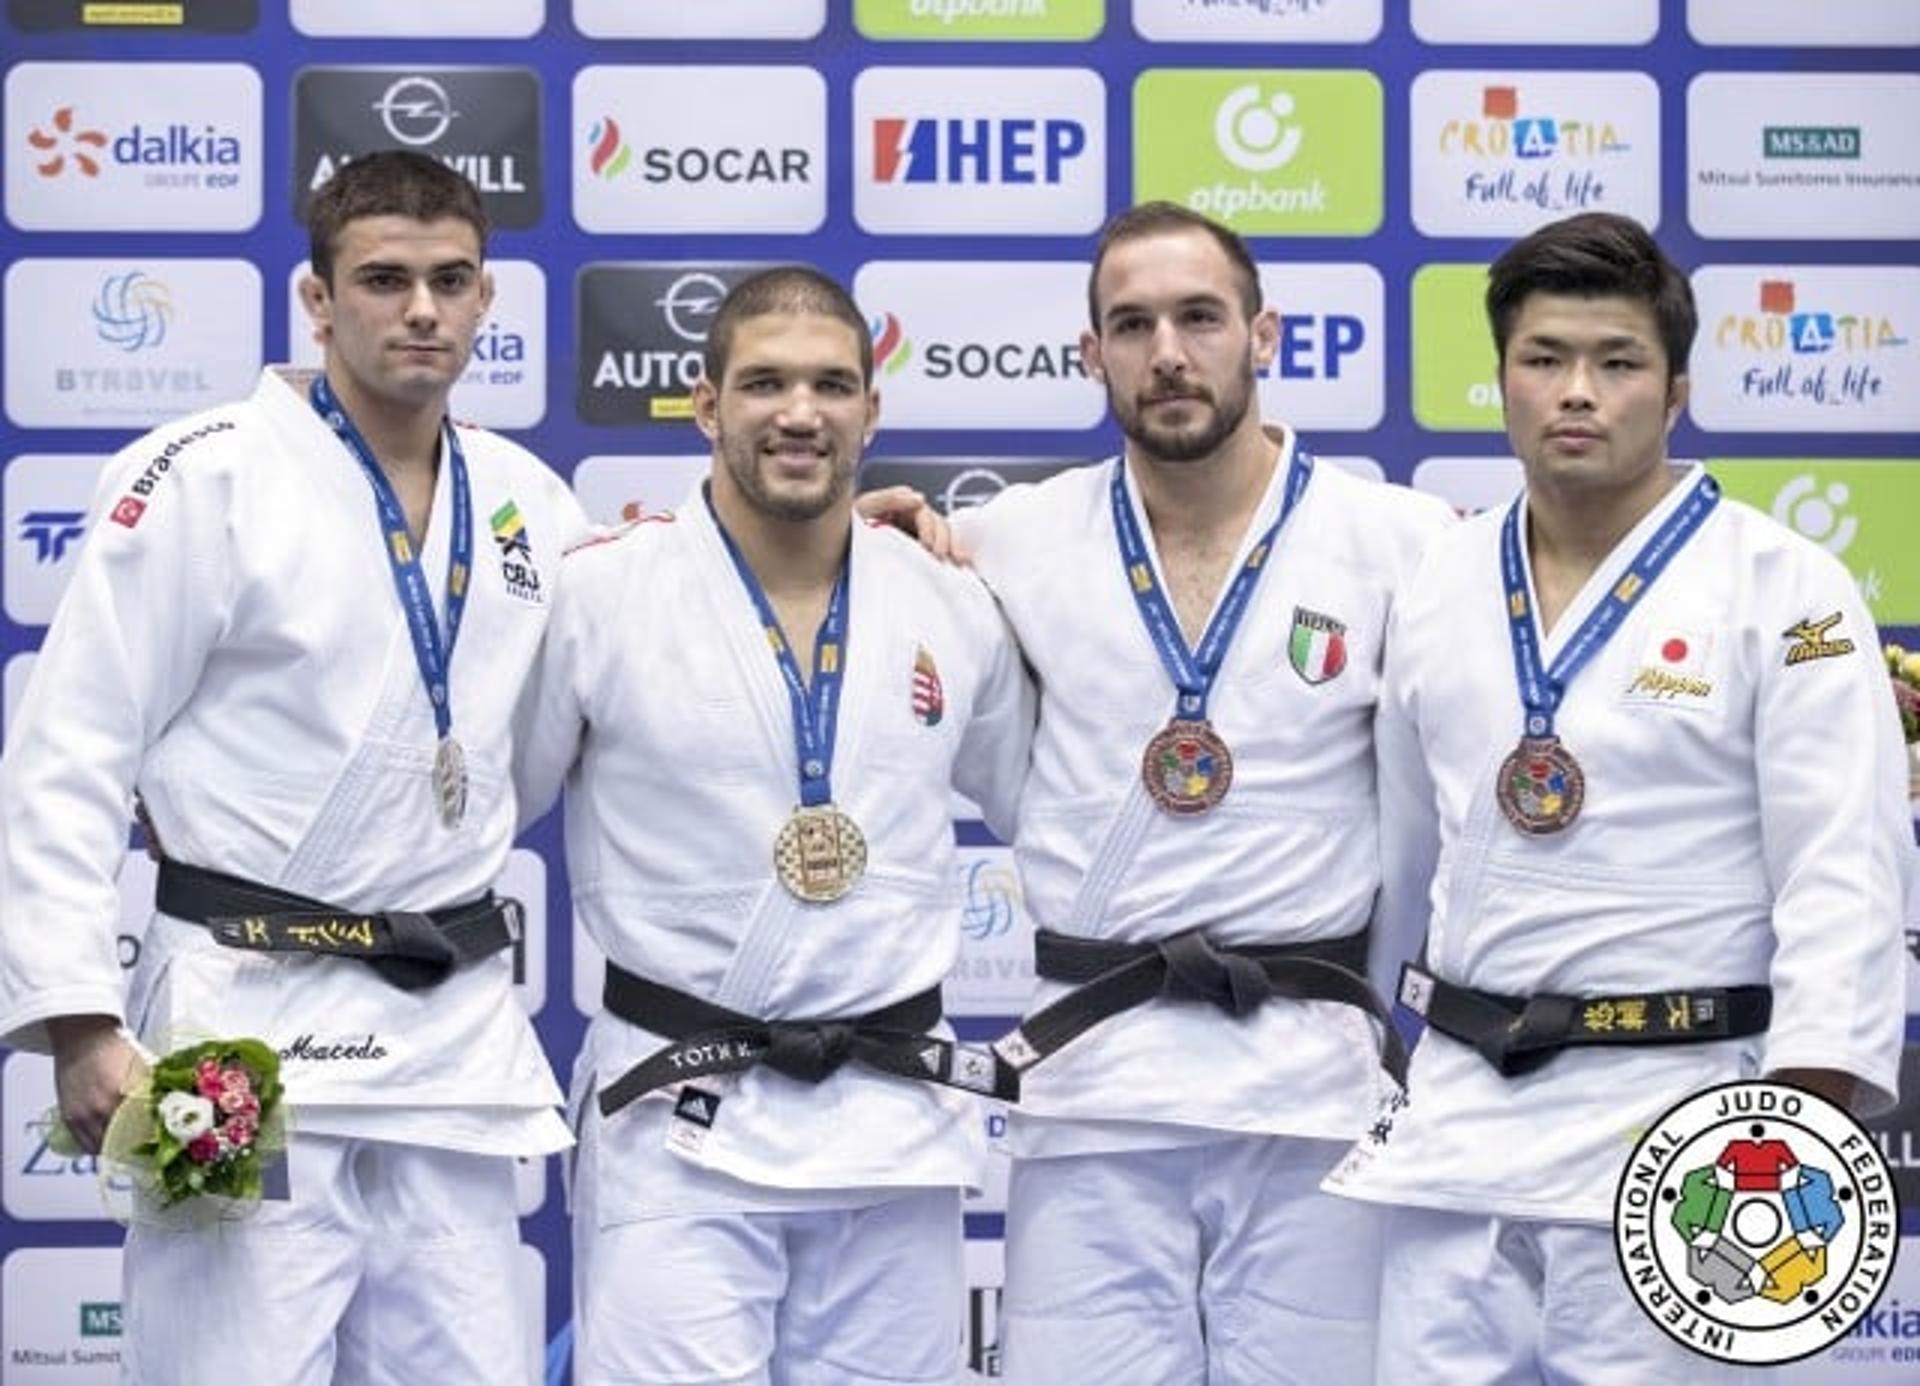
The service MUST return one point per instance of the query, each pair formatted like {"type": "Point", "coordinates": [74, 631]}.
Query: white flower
{"type": "Point", "coordinates": [185, 1114]}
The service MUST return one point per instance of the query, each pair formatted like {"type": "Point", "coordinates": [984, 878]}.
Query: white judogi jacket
{"type": "Point", "coordinates": [1289, 855]}
{"type": "Point", "coordinates": [1744, 822]}
{"type": "Point", "coordinates": [661, 704]}
{"type": "Point", "coordinates": [232, 647]}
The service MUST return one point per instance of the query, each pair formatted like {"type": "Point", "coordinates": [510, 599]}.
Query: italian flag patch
{"type": "Point", "coordinates": [1317, 649]}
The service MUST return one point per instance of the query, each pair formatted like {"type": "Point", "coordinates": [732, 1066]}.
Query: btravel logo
{"type": "Point", "coordinates": [482, 122]}
{"type": "Point", "coordinates": [1497, 154]}
{"type": "Point", "coordinates": [1257, 21]}
{"type": "Point", "coordinates": [1817, 349]}
{"type": "Point", "coordinates": [206, 16]}
{"type": "Point", "coordinates": [127, 344]}
{"type": "Point", "coordinates": [983, 150]}
{"type": "Point", "coordinates": [617, 490]}
{"type": "Point", "coordinates": [418, 18]}
{"type": "Point", "coordinates": [1756, 1223]}
{"type": "Point", "coordinates": [133, 147]}
{"type": "Point", "coordinates": [1330, 368]}
{"type": "Point", "coordinates": [790, 19]}
{"type": "Point", "coordinates": [962, 21]}
{"type": "Point", "coordinates": [970, 344]}
{"type": "Point", "coordinates": [1456, 372]}
{"type": "Point", "coordinates": [993, 974]}
{"type": "Point", "coordinates": [642, 337]}
{"type": "Point", "coordinates": [1831, 23]}
{"type": "Point", "coordinates": [60, 1313]}
{"type": "Point", "coordinates": [1273, 153]}
{"type": "Point", "coordinates": [1502, 21]}
{"type": "Point", "coordinates": [703, 149]}
{"type": "Point", "coordinates": [1820, 155]}
{"type": "Point", "coordinates": [43, 512]}
{"type": "Point", "coordinates": [38, 1185]}
{"type": "Point", "coordinates": [505, 382]}
{"type": "Point", "coordinates": [1858, 511]}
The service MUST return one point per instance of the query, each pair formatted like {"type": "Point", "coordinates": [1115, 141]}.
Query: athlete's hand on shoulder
{"type": "Point", "coordinates": [912, 513]}
{"type": "Point", "coordinates": [93, 1068]}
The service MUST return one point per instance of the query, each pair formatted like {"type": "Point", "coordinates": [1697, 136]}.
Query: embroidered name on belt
{"type": "Point", "coordinates": [1650, 1017]}
{"type": "Point", "coordinates": [1810, 640]}
{"type": "Point", "coordinates": [352, 935]}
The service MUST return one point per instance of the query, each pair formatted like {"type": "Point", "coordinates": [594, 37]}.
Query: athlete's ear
{"type": "Point", "coordinates": [1265, 331]}
{"type": "Point", "coordinates": [317, 299]}
{"type": "Point", "coordinates": [1090, 356]}
{"type": "Point", "coordinates": [1679, 391]}
{"type": "Point", "coordinates": [706, 408]}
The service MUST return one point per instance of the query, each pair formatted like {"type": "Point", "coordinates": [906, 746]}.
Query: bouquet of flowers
{"type": "Point", "coordinates": [207, 1119]}
{"type": "Point", "coordinates": [1903, 668]}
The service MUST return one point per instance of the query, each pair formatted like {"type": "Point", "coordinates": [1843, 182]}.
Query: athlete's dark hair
{"type": "Point", "coordinates": [388, 183]}
{"type": "Point", "coordinates": [783, 289]}
{"type": "Point", "coordinates": [1164, 219]}
{"type": "Point", "coordinates": [1594, 255]}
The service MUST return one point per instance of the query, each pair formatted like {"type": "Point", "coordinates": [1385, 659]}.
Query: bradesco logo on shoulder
{"type": "Point", "coordinates": [1499, 153]}
{"type": "Point", "coordinates": [971, 344]}
{"type": "Point", "coordinates": [1825, 155]}
{"type": "Point", "coordinates": [1810, 348]}
{"type": "Point", "coordinates": [704, 149]}
{"type": "Point", "coordinates": [991, 150]}
{"type": "Point", "coordinates": [1257, 21]}
{"type": "Point", "coordinates": [1330, 368]}
{"type": "Point", "coordinates": [1269, 153]}
{"type": "Point", "coordinates": [483, 122]}
{"type": "Point", "coordinates": [133, 147]}
{"type": "Point", "coordinates": [964, 20]}
{"type": "Point", "coordinates": [642, 337]}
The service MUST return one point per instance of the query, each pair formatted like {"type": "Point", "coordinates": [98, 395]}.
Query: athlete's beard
{"type": "Point", "coordinates": [743, 462]}
{"type": "Point", "coordinates": [1194, 442]}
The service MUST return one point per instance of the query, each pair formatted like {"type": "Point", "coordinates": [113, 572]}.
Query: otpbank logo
{"type": "Point", "coordinates": [1807, 348]}
{"type": "Point", "coordinates": [1497, 154]}
{"type": "Point", "coordinates": [133, 147]}
{"type": "Point", "coordinates": [983, 150]}
{"type": "Point", "coordinates": [1456, 372]}
{"type": "Point", "coordinates": [962, 21]}
{"type": "Point", "coordinates": [1268, 152]}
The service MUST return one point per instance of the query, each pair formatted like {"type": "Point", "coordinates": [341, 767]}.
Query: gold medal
{"type": "Point", "coordinates": [1187, 768]}
{"type": "Point", "coordinates": [820, 853]}
{"type": "Point", "coordinates": [1541, 786]}
{"type": "Point", "coordinates": [450, 781]}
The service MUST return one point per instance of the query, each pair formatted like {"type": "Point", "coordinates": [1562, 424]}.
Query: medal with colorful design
{"type": "Point", "coordinates": [819, 852]}
{"type": "Point", "coordinates": [1541, 788]}
{"type": "Point", "coordinates": [433, 655]}
{"type": "Point", "coordinates": [1187, 768]}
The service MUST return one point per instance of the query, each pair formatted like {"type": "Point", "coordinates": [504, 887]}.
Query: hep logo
{"type": "Point", "coordinates": [65, 142]}
{"type": "Point", "coordinates": [610, 154]}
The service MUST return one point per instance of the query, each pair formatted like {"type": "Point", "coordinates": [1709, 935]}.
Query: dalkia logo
{"type": "Point", "coordinates": [62, 144]}
{"type": "Point", "coordinates": [1756, 1223]}
{"type": "Point", "coordinates": [1780, 324]}
{"type": "Point", "coordinates": [1502, 131]}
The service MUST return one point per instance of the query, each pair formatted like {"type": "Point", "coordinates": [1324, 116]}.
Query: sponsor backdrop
{"type": "Point", "coordinates": [950, 159]}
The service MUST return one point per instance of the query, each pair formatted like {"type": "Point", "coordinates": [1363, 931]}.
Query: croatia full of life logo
{"type": "Point", "coordinates": [1756, 1223]}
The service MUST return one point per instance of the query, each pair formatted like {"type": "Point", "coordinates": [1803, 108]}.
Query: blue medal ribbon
{"type": "Point", "coordinates": [1542, 689]}
{"type": "Point", "coordinates": [1193, 672]}
{"type": "Point", "coordinates": [434, 657]}
{"type": "Point", "coordinates": [816, 709]}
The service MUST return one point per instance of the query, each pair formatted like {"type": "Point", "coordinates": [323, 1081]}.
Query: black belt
{"type": "Point", "coordinates": [710, 1039]}
{"type": "Point", "coordinates": [1517, 1034]}
{"type": "Point", "coordinates": [1115, 977]}
{"type": "Point", "coordinates": [409, 949]}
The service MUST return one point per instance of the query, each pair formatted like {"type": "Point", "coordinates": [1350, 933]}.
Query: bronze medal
{"type": "Point", "coordinates": [1187, 768]}
{"type": "Point", "coordinates": [819, 853]}
{"type": "Point", "coordinates": [1541, 786]}
{"type": "Point", "coordinates": [450, 781]}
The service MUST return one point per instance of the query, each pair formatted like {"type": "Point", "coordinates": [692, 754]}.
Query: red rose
{"type": "Point", "coordinates": [204, 1148]}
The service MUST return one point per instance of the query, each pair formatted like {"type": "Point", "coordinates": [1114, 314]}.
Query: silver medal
{"type": "Point", "coordinates": [450, 781]}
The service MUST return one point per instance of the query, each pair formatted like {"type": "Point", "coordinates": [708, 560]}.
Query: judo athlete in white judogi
{"type": "Point", "coordinates": [1204, 618]}
{"type": "Point", "coordinates": [1709, 802]}
{"type": "Point", "coordinates": [234, 649]}
{"type": "Point", "coordinates": [761, 708]}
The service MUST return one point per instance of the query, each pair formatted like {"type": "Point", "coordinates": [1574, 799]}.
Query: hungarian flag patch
{"type": "Point", "coordinates": [929, 699]}
{"type": "Point", "coordinates": [1317, 649]}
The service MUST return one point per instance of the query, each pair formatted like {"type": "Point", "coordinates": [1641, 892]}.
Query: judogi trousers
{"type": "Point", "coordinates": [1511, 1302]}
{"type": "Point", "coordinates": [1220, 1263]}
{"type": "Point", "coordinates": [390, 1265]}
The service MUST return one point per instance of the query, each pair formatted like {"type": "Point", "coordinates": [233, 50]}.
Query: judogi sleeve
{"type": "Point", "coordinates": [150, 596]}
{"type": "Point", "coordinates": [549, 720]}
{"type": "Point", "coordinates": [991, 768]}
{"type": "Point", "coordinates": [1834, 825]}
